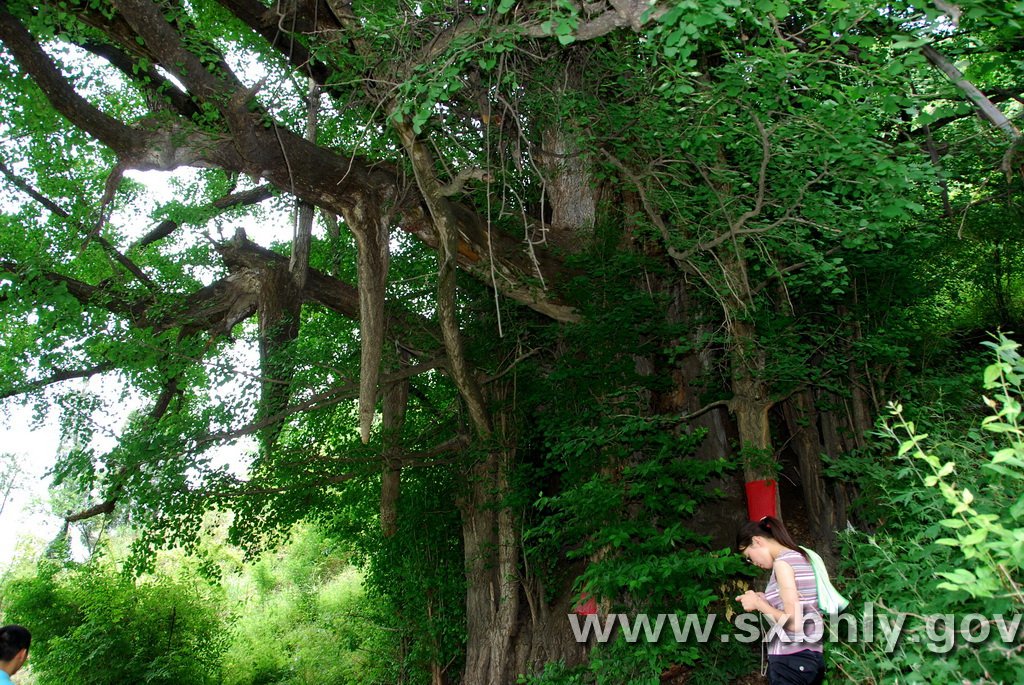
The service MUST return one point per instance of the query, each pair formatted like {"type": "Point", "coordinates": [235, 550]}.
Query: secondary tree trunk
{"type": "Point", "coordinates": [802, 421]}
{"type": "Point", "coordinates": [510, 628]}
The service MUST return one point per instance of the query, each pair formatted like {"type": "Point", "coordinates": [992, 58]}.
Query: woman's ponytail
{"type": "Point", "coordinates": [767, 527]}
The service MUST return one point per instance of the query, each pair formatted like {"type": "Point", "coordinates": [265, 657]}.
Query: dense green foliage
{"type": "Point", "coordinates": [93, 624]}
{"type": "Point", "coordinates": [947, 538]}
{"type": "Point", "coordinates": [298, 614]}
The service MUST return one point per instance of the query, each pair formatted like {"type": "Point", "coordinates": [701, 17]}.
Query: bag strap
{"type": "Point", "coordinates": [823, 582]}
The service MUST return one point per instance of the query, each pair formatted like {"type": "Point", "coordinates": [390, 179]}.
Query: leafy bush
{"type": "Point", "coordinates": [951, 543]}
{"type": "Point", "coordinates": [297, 614]}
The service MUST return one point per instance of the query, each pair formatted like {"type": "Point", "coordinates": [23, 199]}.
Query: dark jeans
{"type": "Point", "coordinates": [802, 668]}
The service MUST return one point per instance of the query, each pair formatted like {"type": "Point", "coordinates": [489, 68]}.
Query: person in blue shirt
{"type": "Point", "coordinates": [14, 644]}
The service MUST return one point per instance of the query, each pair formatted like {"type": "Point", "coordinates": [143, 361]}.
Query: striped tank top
{"type": "Point", "coordinates": [789, 642]}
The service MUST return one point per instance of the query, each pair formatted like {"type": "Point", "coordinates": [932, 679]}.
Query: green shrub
{"type": "Point", "coordinates": [950, 543]}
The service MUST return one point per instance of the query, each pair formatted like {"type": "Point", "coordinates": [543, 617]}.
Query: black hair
{"type": "Point", "coordinates": [13, 639]}
{"type": "Point", "coordinates": [766, 527]}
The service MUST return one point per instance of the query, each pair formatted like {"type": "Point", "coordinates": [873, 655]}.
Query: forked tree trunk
{"type": "Point", "coordinates": [490, 535]}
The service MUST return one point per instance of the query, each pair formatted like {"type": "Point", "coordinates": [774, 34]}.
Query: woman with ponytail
{"type": "Point", "coordinates": [790, 601]}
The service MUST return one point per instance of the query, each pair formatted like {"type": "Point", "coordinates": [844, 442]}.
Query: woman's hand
{"type": "Point", "coordinates": [751, 600]}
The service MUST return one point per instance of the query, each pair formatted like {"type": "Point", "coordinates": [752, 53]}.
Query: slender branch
{"type": "Point", "coordinates": [649, 208]}
{"type": "Point", "coordinates": [159, 410]}
{"type": "Point", "coordinates": [705, 409]}
{"type": "Point", "coordinates": [762, 177]}
{"type": "Point", "coordinates": [320, 400]}
{"type": "Point", "coordinates": [308, 485]}
{"type": "Point", "coordinates": [508, 369]}
{"type": "Point", "coordinates": [240, 199]}
{"type": "Point", "coordinates": [58, 377]}
{"type": "Point", "coordinates": [447, 230]}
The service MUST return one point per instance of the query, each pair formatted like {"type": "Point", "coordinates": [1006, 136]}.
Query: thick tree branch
{"type": "Point", "coordinates": [516, 270]}
{"type": "Point", "coordinates": [147, 77]}
{"type": "Point", "coordinates": [90, 295]}
{"type": "Point", "coordinates": [985, 106]}
{"type": "Point", "coordinates": [290, 43]}
{"type": "Point", "coordinates": [446, 226]}
{"type": "Point", "coordinates": [141, 148]}
{"type": "Point", "coordinates": [316, 175]}
{"type": "Point", "coordinates": [58, 91]}
{"type": "Point", "coordinates": [208, 78]}
{"type": "Point", "coordinates": [995, 99]}
{"type": "Point", "coordinates": [634, 14]}
{"type": "Point", "coordinates": [417, 332]}
{"type": "Point", "coordinates": [105, 507]}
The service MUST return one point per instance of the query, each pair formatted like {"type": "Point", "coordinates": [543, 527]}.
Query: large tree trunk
{"type": "Point", "coordinates": [510, 628]}
{"type": "Point", "coordinates": [750, 401]}
{"type": "Point", "coordinates": [492, 596]}
{"type": "Point", "coordinates": [570, 190]}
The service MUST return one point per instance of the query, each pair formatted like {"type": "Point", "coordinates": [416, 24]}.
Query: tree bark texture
{"type": "Point", "coordinates": [395, 403]}
{"type": "Point", "coordinates": [802, 420]}
{"type": "Point", "coordinates": [751, 402]}
{"type": "Point", "coordinates": [279, 309]}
